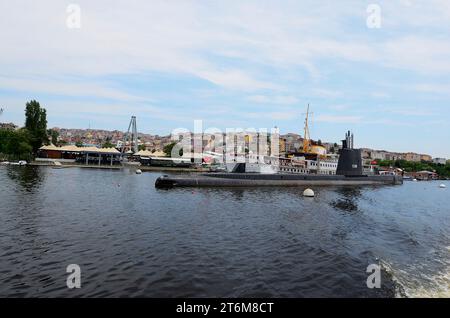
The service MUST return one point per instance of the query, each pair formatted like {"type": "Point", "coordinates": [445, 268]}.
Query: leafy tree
{"type": "Point", "coordinates": [413, 166]}
{"type": "Point", "coordinates": [53, 136]}
{"type": "Point", "coordinates": [141, 147]}
{"type": "Point", "coordinates": [108, 144]}
{"type": "Point", "coordinates": [36, 124]}
{"type": "Point", "coordinates": [168, 149]}
{"type": "Point", "coordinates": [79, 143]}
{"type": "Point", "coordinates": [15, 143]}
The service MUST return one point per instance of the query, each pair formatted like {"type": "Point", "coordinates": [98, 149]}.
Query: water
{"type": "Point", "coordinates": [131, 239]}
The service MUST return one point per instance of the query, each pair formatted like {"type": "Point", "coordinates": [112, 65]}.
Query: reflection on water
{"type": "Point", "coordinates": [348, 199]}
{"type": "Point", "coordinates": [28, 177]}
{"type": "Point", "coordinates": [131, 239]}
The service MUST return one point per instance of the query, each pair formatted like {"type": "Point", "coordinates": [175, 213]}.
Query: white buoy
{"type": "Point", "coordinates": [442, 186]}
{"type": "Point", "coordinates": [414, 179]}
{"type": "Point", "coordinates": [138, 171]}
{"type": "Point", "coordinates": [308, 193]}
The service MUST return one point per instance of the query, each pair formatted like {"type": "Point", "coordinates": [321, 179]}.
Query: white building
{"type": "Point", "coordinates": [440, 161]}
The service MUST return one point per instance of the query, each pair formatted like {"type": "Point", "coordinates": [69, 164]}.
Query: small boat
{"type": "Point", "coordinates": [19, 163]}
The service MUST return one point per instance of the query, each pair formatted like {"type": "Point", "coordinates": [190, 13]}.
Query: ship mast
{"type": "Point", "coordinates": [306, 137]}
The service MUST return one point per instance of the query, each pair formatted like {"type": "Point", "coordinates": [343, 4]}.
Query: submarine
{"type": "Point", "coordinates": [349, 172]}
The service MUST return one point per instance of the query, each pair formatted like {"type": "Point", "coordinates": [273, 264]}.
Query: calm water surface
{"type": "Point", "coordinates": [131, 239]}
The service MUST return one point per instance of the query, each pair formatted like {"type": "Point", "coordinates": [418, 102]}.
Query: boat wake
{"type": "Point", "coordinates": [415, 283]}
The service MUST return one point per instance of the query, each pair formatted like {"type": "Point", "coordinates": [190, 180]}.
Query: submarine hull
{"type": "Point", "coordinates": [249, 180]}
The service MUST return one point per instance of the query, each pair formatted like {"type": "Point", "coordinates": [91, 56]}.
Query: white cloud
{"type": "Point", "coordinates": [67, 87]}
{"type": "Point", "coordinates": [180, 36]}
{"type": "Point", "coordinates": [418, 53]}
{"type": "Point", "coordinates": [236, 79]}
{"type": "Point", "coordinates": [277, 99]}
{"type": "Point", "coordinates": [326, 93]}
{"type": "Point", "coordinates": [433, 88]}
{"type": "Point", "coordinates": [339, 119]}
{"type": "Point", "coordinates": [339, 107]}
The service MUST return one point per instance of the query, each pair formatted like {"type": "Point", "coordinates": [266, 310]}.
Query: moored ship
{"type": "Point", "coordinates": [286, 172]}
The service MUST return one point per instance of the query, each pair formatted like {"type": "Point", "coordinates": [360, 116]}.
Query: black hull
{"type": "Point", "coordinates": [253, 179]}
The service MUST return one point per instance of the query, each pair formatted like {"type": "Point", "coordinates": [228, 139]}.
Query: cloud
{"type": "Point", "coordinates": [339, 107]}
{"type": "Point", "coordinates": [236, 79]}
{"type": "Point", "coordinates": [175, 59]}
{"type": "Point", "coordinates": [433, 88]}
{"type": "Point", "coordinates": [427, 55]}
{"type": "Point", "coordinates": [422, 111]}
{"type": "Point", "coordinates": [380, 95]}
{"type": "Point", "coordinates": [337, 119]}
{"type": "Point", "coordinates": [272, 115]}
{"type": "Point", "coordinates": [66, 87]}
{"type": "Point", "coordinates": [277, 99]}
{"type": "Point", "coordinates": [326, 93]}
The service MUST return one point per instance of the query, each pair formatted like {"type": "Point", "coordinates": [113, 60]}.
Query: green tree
{"type": "Point", "coordinates": [16, 144]}
{"type": "Point", "coordinates": [108, 144]}
{"type": "Point", "coordinates": [79, 143]}
{"type": "Point", "coordinates": [53, 136]}
{"type": "Point", "coordinates": [36, 124]}
{"type": "Point", "coordinates": [141, 147]}
{"type": "Point", "coordinates": [168, 149]}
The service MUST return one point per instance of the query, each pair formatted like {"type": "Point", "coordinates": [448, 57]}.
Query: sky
{"type": "Point", "coordinates": [234, 64]}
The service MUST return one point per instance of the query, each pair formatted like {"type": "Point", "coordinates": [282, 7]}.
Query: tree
{"type": "Point", "coordinates": [36, 124]}
{"type": "Point", "coordinates": [168, 149]}
{"type": "Point", "coordinates": [17, 144]}
{"type": "Point", "coordinates": [79, 143]}
{"type": "Point", "coordinates": [53, 136]}
{"type": "Point", "coordinates": [141, 147]}
{"type": "Point", "coordinates": [319, 142]}
{"type": "Point", "coordinates": [107, 144]}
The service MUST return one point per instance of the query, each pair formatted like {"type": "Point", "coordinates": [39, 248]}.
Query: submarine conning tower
{"type": "Point", "coordinates": [350, 162]}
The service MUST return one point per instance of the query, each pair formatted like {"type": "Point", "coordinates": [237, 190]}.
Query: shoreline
{"type": "Point", "coordinates": [118, 167]}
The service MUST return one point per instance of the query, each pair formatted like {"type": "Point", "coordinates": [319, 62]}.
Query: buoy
{"type": "Point", "coordinates": [138, 171]}
{"type": "Point", "coordinates": [414, 179]}
{"type": "Point", "coordinates": [442, 185]}
{"type": "Point", "coordinates": [308, 193]}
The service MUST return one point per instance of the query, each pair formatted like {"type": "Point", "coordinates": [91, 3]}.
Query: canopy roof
{"type": "Point", "coordinates": [73, 148]}
{"type": "Point", "coordinates": [148, 153]}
